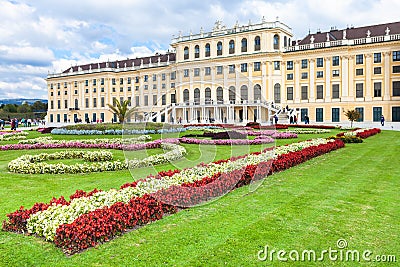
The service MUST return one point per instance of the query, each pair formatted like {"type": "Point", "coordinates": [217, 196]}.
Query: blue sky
{"type": "Point", "coordinates": [42, 36]}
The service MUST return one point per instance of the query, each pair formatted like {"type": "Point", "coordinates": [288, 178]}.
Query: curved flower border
{"type": "Point", "coordinates": [33, 164]}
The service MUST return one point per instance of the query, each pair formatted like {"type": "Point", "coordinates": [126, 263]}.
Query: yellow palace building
{"type": "Point", "coordinates": [245, 73]}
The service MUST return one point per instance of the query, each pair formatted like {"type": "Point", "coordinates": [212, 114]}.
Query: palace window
{"type": "Point", "coordinates": [335, 91]}
{"type": "Point", "coordinates": [289, 65]}
{"type": "Point", "coordinates": [396, 88]}
{"type": "Point", "coordinates": [359, 72]}
{"type": "Point", "coordinates": [335, 114]}
{"type": "Point", "coordinates": [320, 74]}
{"type": "Point", "coordinates": [257, 92]}
{"type": "Point", "coordinates": [396, 69]}
{"type": "Point", "coordinates": [197, 72]}
{"type": "Point", "coordinates": [320, 91]}
{"type": "Point", "coordinates": [232, 68]}
{"type": "Point", "coordinates": [154, 77]}
{"type": "Point", "coordinates": [113, 81]}
{"type": "Point", "coordinates": [121, 80]}
{"type": "Point", "coordinates": [360, 59]}
{"type": "Point", "coordinates": [243, 67]}
{"type": "Point", "coordinates": [257, 43]}
{"type": "Point", "coordinates": [377, 113]}
{"type": "Point", "coordinates": [244, 45]}
{"type": "Point", "coordinates": [304, 92]}
{"type": "Point", "coordinates": [335, 73]}
{"type": "Point", "coordinates": [335, 61]}
{"type": "Point", "coordinates": [289, 76]}
{"type": "Point", "coordinates": [377, 89]}
{"type": "Point", "coordinates": [196, 51]}
{"type": "Point", "coordinates": [186, 73]}
{"type": "Point", "coordinates": [231, 47]}
{"type": "Point", "coordinates": [396, 55]}
{"type": "Point", "coordinates": [304, 75]}
{"type": "Point", "coordinates": [207, 70]}
{"type": "Point", "coordinates": [257, 66]}
{"type": "Point", "coordinates": [219, 48]}
{"type": "Point", "coordinates": [219, 69]}
{"type": "Point", "coordinates": [377, 70]}
{"type": "Point", "coordinates": [129, 80]}
{"type": "Point", "coordinates": [289, 93]}
{"type": "Point", "coordinates": [361, 111]}
{"type": "Point", "coordinates": [377, 57]}
{"type": "Point", "coordinates": [207, 50]}
{"type": "Point", "coordinates": [277, 65]}
{"type": "Point", "coordinates": [320, 62]}
{"type": "Point", "coordinates": [186, 52]}
{"type": "Point", "coordinates": [319, 114]}
{"type": "Point", "coordinates": [304, 63]}
{"type": "Point", "coordinates": [277, 93]}
{"type": "Point", "coordinates": [359, 90]}
{"type": "Point", "coordinates": [276, 42]}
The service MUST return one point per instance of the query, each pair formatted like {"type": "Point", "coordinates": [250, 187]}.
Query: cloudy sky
{"type": "Point", "coordinates": [42, 36]}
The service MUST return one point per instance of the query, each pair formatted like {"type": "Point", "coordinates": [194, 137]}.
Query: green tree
{"type": "Point", "coordinates": [121, 109]}
{"type": "Point", "coordinates": [352, 115]}
{"type": "Point", "coordinates": [24, 108]}
{"type": "Point", "coordinates": [39, 106]}
{"type": "Point", "coordinates": [12, 108]}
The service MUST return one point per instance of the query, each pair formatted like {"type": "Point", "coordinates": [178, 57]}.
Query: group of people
{"type": "Point", "coordinates": [15, 123]}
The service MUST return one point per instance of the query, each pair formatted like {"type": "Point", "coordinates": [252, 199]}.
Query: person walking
{"type": "Point", "coordinates": [382, 120]}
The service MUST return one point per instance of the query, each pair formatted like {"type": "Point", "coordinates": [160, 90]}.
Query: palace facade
{"type": "Point", "coordinates": [241, 74]}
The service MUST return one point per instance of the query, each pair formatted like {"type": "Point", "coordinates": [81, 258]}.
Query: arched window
{"type": "Point", "coordinates": [257, 43]}
{"type": "Point", "coordinates": [285, 41]}
{"type": "Point", "coordinates": [76, 104]}
{"type": "Point", "coordinates": [276, 42]}
{"type": "Point", "coordinates": [207, 50]}
{"type": "Point", "coordinates": [244, 94]}
{"type": "Point", "coordinates": [219, 48]}
{"type": "Point", "coordinates": [277, 93]}
{"type": "Point", "coordinates": [231, 47]}
{"type": "Point", "coordinates": [196, 51]}
{"type": "Point", "coordinates": [186, 95]}
{"type": "Point", "coordinates": [257, 92]}
{"type": "Point", "coordinates": [220, 95]}
{"type": "Point", "coordinates": [289, 42]}
{"type": "Point", "coordinates": [207, 94]}
{"type": "Point", "coordinates": [186, 52]}
{"type": "Point", "coordinates": [244, 45]}
{"type": "Point", "coordinates": [232, 94]}
{"type": "Point", "coordinates": [196, 96]}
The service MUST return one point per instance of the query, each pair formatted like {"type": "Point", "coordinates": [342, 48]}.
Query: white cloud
{"type": "Point", "coordinates": [40, 36]}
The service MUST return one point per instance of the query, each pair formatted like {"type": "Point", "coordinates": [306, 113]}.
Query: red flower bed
{"type": "Point", "coordinates": [368, 133]}
{"type": "Point", "coordinates": [17, 220]}
{"type": "Point", "coordinates": [191, 194]}
{"type": "Point", "coordinates": [103, 224]}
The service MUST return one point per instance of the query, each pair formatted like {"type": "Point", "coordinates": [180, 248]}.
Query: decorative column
{"type": "Point", "coordinates": [386, 94]}
{"type": "Point", "coordinates": [368, 77]}
{"type": "Point", "coordinates": [296, 90]}
{"type": "Point", "coordinates": [312, 81]}
{"type": "Point", "coordinates": [345, 78]}
{"type": "Point", "coordinates": [327, 61]}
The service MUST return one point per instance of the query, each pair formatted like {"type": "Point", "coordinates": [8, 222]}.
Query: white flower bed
{"type": "Point", "coordinates": [33, 164]}
{"type": "Point", "coordinates": [354, 133]}
{"type": "Point", "coordinates": [44, 223]}
{"type": "Point", "coordinates": [308, 131]}
{"type": "Point", "coordinates": [13, 136]}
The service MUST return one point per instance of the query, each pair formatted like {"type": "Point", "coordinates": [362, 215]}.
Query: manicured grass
{"type": "Point", "coordinates": [351, 193]}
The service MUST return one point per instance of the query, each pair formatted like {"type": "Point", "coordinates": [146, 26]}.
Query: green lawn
{"type": "Point", "coordinates": [352, 193]}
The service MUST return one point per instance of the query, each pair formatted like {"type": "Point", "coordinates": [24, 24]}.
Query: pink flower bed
{"type": "Point", "coordinates": [265, 140]}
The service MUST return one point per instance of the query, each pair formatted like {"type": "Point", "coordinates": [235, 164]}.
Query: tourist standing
{"type": "Point", "coordinates": [382, 120]}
